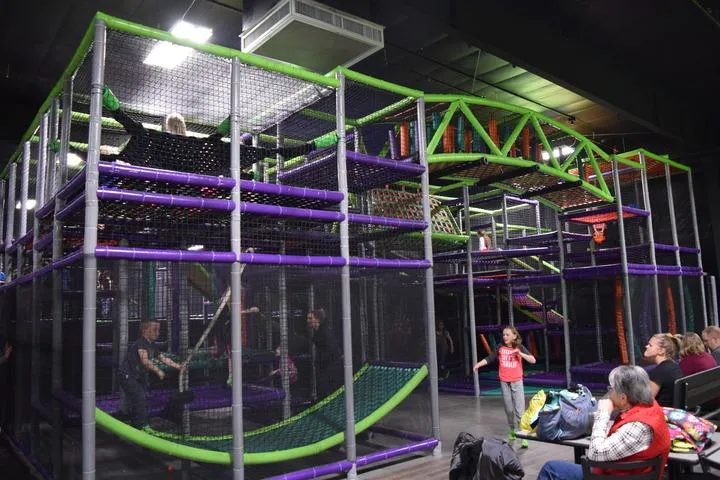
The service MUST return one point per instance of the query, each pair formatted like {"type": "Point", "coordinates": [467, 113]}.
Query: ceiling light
{"type": "Point", "coordinates": [169, 55]}
{"type": "Point", "coordinates": [195, 248]}
{"type": "Point", "coordinates": [30, 204]}
{"type": "Point", "coordinates": [558, 152]}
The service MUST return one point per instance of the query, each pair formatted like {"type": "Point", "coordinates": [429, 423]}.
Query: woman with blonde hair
{"type": "Point", "coordinates": [693, 357]}
{"type": "Point", "coordinates": [662, 349]}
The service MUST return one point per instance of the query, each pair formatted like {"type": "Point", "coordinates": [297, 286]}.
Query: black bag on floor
{"type": "Point", "coordinates": [483, 459]}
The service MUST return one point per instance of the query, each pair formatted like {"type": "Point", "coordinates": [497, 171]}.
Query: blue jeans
{"type": "Point", "coordinates": [559, 470]}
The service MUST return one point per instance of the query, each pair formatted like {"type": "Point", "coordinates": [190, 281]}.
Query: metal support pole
{"type": "Point", "coordinates": [345, 280]}
{"type": "Point", "coordinates": [563, 298]}
{"type": "Point", "coordinates": [235, 276]}
{"type": "Point", "coordinates": [57, 252]}
{"type": "Point", "coordinates": [313, 352]}
{"type": "Point", "coordinates": [696, 237]}
{"type": "Point", "coordinates": [714, 301]}
{"type": "Point", "coordinates": [545, 330]}
{"type": "Point", "coordinates": [52, 169]}
{"type": "Point", "coordinates": [470, 291]}
{"type": "Point", "coordinates": [429, 281]}
{"type": "Point", "coordinates": [35, 310]}
{"type": "Point", "coordinates": [3, 191]}
{"type": "Point", "coordinates": [624, 263]}
{"type": "Point", "coordinates": [596, 305]}
{"type": "Point", "coordinates": [24, 180]}
{"type": "Point", "coordinates": [282, 286]}
{"type": "Point", "coordinates": [506, 234]}
{"type": "Point", "coordinates": [90, 261]}
{"type": "Point", "coordinates": [10, 226]}
{"type": "Point", "coordinates": [465, 332]}
{"type": "Point", "coordinates": [676, 243]}
{"type": "Point", "coordinates": [21, 357]}
{"type": "Point", "coordinates": [651, 241]}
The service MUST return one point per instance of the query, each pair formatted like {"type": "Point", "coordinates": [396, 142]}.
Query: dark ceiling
{"type": "Point", "coordinates": [641, 73]}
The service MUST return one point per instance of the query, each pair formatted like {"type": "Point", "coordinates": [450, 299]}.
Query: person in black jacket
{"type": "Point", "coordinates": [483, 459]}
{"type": "Point", "coordinates": [328, 357]}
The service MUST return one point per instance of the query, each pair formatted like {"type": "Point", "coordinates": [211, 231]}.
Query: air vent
{"type": "Point", "coordinates": [312, 35]}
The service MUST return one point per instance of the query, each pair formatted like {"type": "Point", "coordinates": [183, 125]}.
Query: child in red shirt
{"type": "Point", "coordinates": [510, 356]}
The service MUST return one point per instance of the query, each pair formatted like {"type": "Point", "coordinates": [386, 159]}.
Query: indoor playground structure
{"type": "Point", "coordinates": [292, 232]}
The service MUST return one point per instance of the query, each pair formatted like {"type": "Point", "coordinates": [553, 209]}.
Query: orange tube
{"type": "Point", "coordinates": [620, 322]}
{"type": "Point", "coordinates": [485, 344]}
{"type": "Point", "coordinates": [467, 141]}
{"type": "Point", "coordinates": [526, 143]}
{"type": "Point", "coordinates": [404, 139]}
{"type": "Point", "coordinates": [449, 140]}
{"type": "Point", "coordinates": [670, 307]}
{"type": "Point", "coordinates": [493, 131]}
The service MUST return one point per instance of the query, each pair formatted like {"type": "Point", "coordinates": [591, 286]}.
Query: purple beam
{"type": "Point", "coordinates": [143, 254]}
{"type": "Point", "coordinates": [46, 209]}
{"type": "Point", "coordinates": [77, 182]}
{"type": "Point", "coordinates": [269, 259]}
{"type": "Point", "coordinates": [392, 139]}
{"type": "Point", "coordinates": [25, 238]}
{"type": "Point", "coordinates": [382, 162]}
{"type": "Point", "coordinates": [692, 250]}
{"type": "Point", "coordinates": [521, 327]}
{"type": "Point", "coordinates": [66, 260]}
{"type": "Point", "coordinates": [666, 248]}
{"type": "Point", "coordinates": [70, 208]}
{"type": "Point", "coordinates": [290, 191]}
{"type": "Point", "coordinates": [183, 201]}
{"type": "Point", "coordinates": [607, 209]}
{"type": "Point", "coordinates": [341, 466]}
{"type": "Point", "coordinates": [374, 457]}
{"type": "Point", "coordinates": [327, 160]}
{"type": "Point", "coordinates": [43, 242]}
{"type": "Point", "coordinates": [387, 221]}
{"type": "Point", "coordinates": [159, 175]}
{"type": "Point", "coordinates": [289, 212]}
{"type": "Point", "coordinates": [388, 263]}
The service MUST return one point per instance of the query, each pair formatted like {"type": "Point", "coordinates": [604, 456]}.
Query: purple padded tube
{"type": "Point", "coordinates": [183, 201]}
{"type": "Point", "coordinates": [25, 238]}
{"type": "Point", "coordinates": [374, 457]}
{"type": "Point", "coordinates": [692, 250]}
{"type": "Point", "coordinates": [75, 183]}
{"type": "Point", "coordinates": [291, 212]}
{"type": "Point", "coordinates": [289, 191]}
{"type": "Point", "coordinates": [271, 259]}
{"type": "Point", "coordinates": [163, 255]}
{"type": "Point", "coordinates": [570, 216]}
{"type": "Point", "coordinates": [343, 466]}
{"type": "Point", "coordinates": [392, 140]}
{"type": "Point", "coordinates": [43, 242]}
{"type": "Point", "coordinates": [46, 209]}
{"type": "Point", "coordinates": [387, 221]}
{"type": "Point", "coordinates": [372, 160]}
{"type": "Point", "coordinates": [70, 208]}
{"type": "Point", "coordinates": [159, 175]}
{"type": "Point", "coordinates": [388, 263]}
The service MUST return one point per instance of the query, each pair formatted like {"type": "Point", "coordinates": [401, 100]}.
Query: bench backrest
{"type": "Point", "coordinates": [694, 390]}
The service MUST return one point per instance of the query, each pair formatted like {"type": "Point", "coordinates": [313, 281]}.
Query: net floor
{"type": "Point", "coordinates": [483, 416]}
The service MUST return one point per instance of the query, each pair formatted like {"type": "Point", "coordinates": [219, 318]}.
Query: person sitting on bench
{"type": "Point", "coordinates": [639, 431]}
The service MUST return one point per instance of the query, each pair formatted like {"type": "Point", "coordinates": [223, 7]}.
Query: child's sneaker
{"type": "Point", "coordinates": [511, 435]}
{"type": "Point", "coordinates": [524, 444]}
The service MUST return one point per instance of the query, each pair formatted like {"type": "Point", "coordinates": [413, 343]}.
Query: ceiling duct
{"type": "Point", "coordinates": [308, 34]}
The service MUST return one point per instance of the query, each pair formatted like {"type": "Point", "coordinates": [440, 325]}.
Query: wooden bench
{"type": "Point", "coordinates": [694, 392]}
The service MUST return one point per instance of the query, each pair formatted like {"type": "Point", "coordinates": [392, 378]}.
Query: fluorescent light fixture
{"type": "Point", "coordinates": [557, 152]}
{"type": "Point", "coordinates": [168, 55]}
{"type": "Point", "coordinates": [30, 204]}
{"type": "Point", "coordinates": [195, 248]}
{"type": "Point", "coordinates": [73, 160]}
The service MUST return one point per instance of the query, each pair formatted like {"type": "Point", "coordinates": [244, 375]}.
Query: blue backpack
{"type": "Point", "coordinates": [567, 414]}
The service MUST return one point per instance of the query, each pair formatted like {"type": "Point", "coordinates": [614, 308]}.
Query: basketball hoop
{"type": "Point", "coordinates": [599, 232]}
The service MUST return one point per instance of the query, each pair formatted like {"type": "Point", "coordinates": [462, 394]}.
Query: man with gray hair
{"type": "Point", "coordinates": [639, 431]}
{"type": "Point", "coordinates": [711, 339]}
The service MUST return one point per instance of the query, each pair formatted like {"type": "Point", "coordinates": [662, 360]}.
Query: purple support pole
{"type": "Point", "coordinates": [392, 140]}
